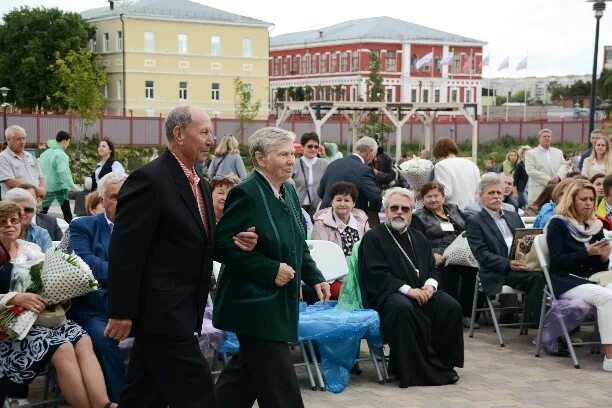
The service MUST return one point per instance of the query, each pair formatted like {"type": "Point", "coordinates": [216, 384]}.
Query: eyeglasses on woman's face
{"type": "Point", "coordinates": [312, 146]}
{"type": "Point", "coordinates": [10, 222]}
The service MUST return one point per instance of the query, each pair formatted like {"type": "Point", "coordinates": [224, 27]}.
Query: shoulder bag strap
{"type": "Point", "coordinates": [306, 181]}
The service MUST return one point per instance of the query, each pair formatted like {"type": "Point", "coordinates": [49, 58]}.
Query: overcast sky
{"type": "Point", "coordinates": [557, 35]}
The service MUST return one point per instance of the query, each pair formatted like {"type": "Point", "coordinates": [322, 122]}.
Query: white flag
{"type": "Point", "coordinates": [448, 58]}
{"type": "Point", "coordinates": [505, 64]}
{"type": "Point", "coordinates": [522, 64]}
{"type": "Point", "coordinates": [425, 60]}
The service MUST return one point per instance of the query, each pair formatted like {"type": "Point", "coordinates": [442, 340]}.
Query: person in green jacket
{"type": "Point", "coordinates": [55, 166]}
{"type": "Point", "coordinates": [258, 292]}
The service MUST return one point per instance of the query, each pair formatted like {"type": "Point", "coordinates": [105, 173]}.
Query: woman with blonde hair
{"type": "Point", "coordinates": [578, 250]}
{"type": "Point", "coordinates": [227, 159]}
{"type": "Point", "coordinates": [512, 159]}
{"type": "Point", "coordinates": [600, 160]}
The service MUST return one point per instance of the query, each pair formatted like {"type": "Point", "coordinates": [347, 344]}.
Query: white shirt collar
{"type": "Point", "coordinates": [34, 219]}
{"type": "Point", "coordinates": [360, 158]}
{"type": "Point", "coordinates": [493, 213]}
{"type": "Point", "coordinates": [309, 162]}
{"type": "Point", "coordinates": [276, 192]}
{"type": "Point", "coordinates": [109, 222]}
{"type": "Point", "coordinates": [341, 226]}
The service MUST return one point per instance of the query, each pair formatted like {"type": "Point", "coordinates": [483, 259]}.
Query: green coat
{"type": "Point", "coordinates": [247, 301]}
{"type": "Point", "coordinates": [55, 167]}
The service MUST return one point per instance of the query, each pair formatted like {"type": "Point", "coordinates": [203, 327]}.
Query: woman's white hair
{"type": "Point", "coordinates": [397, 190]}
{"type": "Point", "coordinates": [266, 139]}
{"type": "Point", "coordinates": [110, 178]}
{"type": "Point", "coordinates": [489, 179]}
{"type": "Point", "coordinates": [17, 195]}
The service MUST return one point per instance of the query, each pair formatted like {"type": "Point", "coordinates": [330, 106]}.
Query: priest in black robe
{"type": "Point", "coordinates": [398, 279]}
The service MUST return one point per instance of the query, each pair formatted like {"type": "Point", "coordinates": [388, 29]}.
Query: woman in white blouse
{"type": "Point", "coordinates": [108, 164]}
{"type": "Point", "coordinates": [600, 160]}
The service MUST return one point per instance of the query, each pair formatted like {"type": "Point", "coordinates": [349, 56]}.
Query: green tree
{"type": "Point", "coordinates": [604, 84]}
{"type": "Point", "coordinates": [500, 100]}
{"type": "Point", "coordinates": [80, 77]}
{"type": "Point", "coordinates": [520, 97]}
{"type": "Point", "coordinates": [246, 109]}
{"type": "Point", "coordinates": [29, 40]}
{"type": "Point", "coordinates": [580, 88]}
{"type": "Point", "coordinates": [375, 126]}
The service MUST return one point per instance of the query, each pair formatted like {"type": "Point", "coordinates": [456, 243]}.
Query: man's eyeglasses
{"type": "Point", "coordinates": [10, 222]}
{"type": "Point", "coordinates": [396, 208]}
{"type": "Point", "coordinates": [310, 146]}
{"type": "Point", "coordinates": [29, 210]}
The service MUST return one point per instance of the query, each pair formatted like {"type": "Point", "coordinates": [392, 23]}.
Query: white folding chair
{"type": "Point", "coordinates": [62, 224]}
{"type": "Point", "coordinates": [329, 259]}
{"type": "Point", "coordinates": [548, 297]}
{"type": "Point", "coordinates": [522, 324]}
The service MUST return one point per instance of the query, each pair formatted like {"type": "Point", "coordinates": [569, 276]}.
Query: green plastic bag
{"type": "Point", "coordinates": [350, 294]}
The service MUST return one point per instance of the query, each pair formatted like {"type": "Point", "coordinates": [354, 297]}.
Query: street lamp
{"type": "Point", "coordinates": [598, 7]}
{"type": "Point", "coordinates": [4, 90]}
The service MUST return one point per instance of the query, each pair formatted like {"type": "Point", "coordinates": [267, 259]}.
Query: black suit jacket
{"type": "Point", "coordinates": [489, 248]}
{"type": "Point", "coordinates": [351, 169]}
{"type": "Point", "coordinates": [570, 256]}
{"type": "Point", "coordinates": [49, 223]}
{"type": "Point", "coordinates": [160, 257]}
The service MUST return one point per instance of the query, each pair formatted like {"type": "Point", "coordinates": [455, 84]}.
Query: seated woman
{"type": "Point", "coordinates": [533, 208]}
{"type": "Point", "coordinates": [219, 188]}
{"type": "Point", "coordinates": [577, 251]}
{"type": "Point", "coordinates": [341, 223]}
{"type": "Point", "coordinates": [93, 203]}
{"type": "Point", "coordinates": [29, 231]}
{"type": "Point", "coordinates": [67, 347]}
{"type": "Point", "coordinates": [442, 224]}
{"type": "Point", "coordinates": [548, 209]}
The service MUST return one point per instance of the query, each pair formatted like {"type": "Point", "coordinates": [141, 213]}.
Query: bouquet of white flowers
{"type": "Point", "coordinates": [59, 277]}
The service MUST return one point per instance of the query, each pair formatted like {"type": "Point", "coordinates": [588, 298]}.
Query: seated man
{"type": "Point", "coordinates": [490, 233]}
{"type": "Point", "coordinates": [508, 180]}
{"type": "Point", "coordinates": [90, 238]}
{"type": "Point", "coordinates": [45, 221]}
{"type": "Point", "coordinates": [29, 231]}
{"type": "Point", "coordinates": [397, 276]}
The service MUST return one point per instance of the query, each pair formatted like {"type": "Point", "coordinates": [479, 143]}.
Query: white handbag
{"type": "Point", "coordinates": [459, 253]}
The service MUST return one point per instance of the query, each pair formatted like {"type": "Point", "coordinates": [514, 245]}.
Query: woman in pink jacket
{"type": "Point", "coordinates": [341, 223]}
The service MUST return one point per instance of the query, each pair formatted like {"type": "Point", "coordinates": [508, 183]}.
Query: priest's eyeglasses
{"type": "Point", "coordinates": [396, 208]}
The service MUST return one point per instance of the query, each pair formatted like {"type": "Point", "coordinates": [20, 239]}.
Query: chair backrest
{"type": "Point", "coordinates": [329, 259]}
{"type": "Point", "coordinates": [543, 256]}
{"type": "Point", "coordinates": [62, 224]}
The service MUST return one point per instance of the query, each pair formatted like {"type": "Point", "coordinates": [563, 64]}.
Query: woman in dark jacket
{"type": "Point", "coordinates": [108, 164]}
{"type": "Point", "coordinates": [521, 177]}
{"type": "Point", "coordinates": [442, 223]}
{"type": "Point", "coordinates": [578, 250]}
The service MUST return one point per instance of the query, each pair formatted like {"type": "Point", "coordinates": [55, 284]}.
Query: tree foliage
{"type": "Point", "coordinates": [604, 84]}
{"type": "Point", "coordinates": [246, 109]}
{"type": "Point", "coordinates": [29, 40]}
{"type": "Point", "coordinates": [578, 88]}
{"type": "Point", "coordinates": [375, 126]}
{"type": "Point", "coordinates": [79, 78]}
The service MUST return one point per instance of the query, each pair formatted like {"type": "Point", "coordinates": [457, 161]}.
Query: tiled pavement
{"type": "Point", "coordinates": [493, 377]}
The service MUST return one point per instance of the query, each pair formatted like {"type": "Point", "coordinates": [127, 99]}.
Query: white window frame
{"type": "Point", "coordinates": [467, 95]}
{"type": "Point", "coordinates": [183, 90]}
{"type": "Point", "coordinates": [247, 47]}
{"type": "Point", "coordinates": [215, 45]}
{"type": "Point", "coordinates": [149, 90]}
{"type": "Point", "coordinates": [119, 43]}
{"type": "Point", "coordinates": [119, 89]}
{"type": "Point", "coordinates": [215, 91]}
{"type": "Point", "coordinates": [105, 90]}
{"type": "Point", "coordinates": [149, 41]}
{"type": "Point", "coordinates": [182, 43]}
{"type": "Point", "coordinates": [105, 42]}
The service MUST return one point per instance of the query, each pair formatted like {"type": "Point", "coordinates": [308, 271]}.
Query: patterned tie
{"type": "Point", "coordinates": [193, 182]}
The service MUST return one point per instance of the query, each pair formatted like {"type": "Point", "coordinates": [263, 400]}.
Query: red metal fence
{"type": "Point", "coordinates": [149, 131]}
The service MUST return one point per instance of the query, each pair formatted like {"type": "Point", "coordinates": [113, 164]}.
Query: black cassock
{"type": "Point", "coordinates": [426, 341]}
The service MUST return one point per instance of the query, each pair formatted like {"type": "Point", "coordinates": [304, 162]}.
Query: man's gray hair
{"type": "Point", "coordinates": [366, 144]}
{"type": "Point", "coordinates": [17, 194]}
{"type": "Point", "coordinates": [13, 130]}
{"type": "Point", "coordinates": [397, 190]}
{"type": "Point", "coordinates": [110, 178]}
{"type": "Point", "coordinates": [266, 139]}
{"type": "Point", "coordinates": [489, 179]}
{"type": "Point", "coordinates": [179, 116]}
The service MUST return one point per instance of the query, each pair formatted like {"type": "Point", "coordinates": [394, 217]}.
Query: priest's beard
{"type": "Point", "coordinates": [398, 224]}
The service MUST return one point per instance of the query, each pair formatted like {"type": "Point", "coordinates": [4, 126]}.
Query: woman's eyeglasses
{"type": "Point", "coordinates": [310, 146]}
{"type": "Point", "coordinates": [10, 222]}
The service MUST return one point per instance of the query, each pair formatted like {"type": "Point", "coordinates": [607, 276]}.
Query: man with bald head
{"type": "Point", "coordinates": [160, 263]}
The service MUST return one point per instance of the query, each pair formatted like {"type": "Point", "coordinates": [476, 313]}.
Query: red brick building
{"type": "Point", "coordinates": [331, 63]}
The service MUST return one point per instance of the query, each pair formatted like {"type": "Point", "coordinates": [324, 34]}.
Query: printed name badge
{"type": "Point", "coordinates": [447, 226]}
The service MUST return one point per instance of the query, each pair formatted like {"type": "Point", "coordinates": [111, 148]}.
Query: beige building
{"type": "Point", "coordinates": [162, 53]}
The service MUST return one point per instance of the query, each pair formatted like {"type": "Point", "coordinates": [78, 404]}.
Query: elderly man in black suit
{"type": "Point", "coordinates": [490, 233]}
{"type": "Point", "coordinates": [160, 264]}
{"type": "Point", "coordinates": [355, 169]}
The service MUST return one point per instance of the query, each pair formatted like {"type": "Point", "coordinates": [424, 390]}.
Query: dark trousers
{"type": "Point", "coordinates": [532, 283]}
{"type": "Point", "coordinates": [459, 281]}
{"type": "Point", "coordinates": [263, 371]}
{"type": "Point", "coordinates": [66, 211]}
{"type": "Point", "coordinates": [166, 371]}
{"type": "Point", "coordinates": [107, 351]}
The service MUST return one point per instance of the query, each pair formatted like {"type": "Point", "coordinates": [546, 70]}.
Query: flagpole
{"type": "Point", "coordinates": [525, 102]}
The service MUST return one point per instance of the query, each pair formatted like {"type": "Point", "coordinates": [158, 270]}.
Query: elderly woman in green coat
{"type": "Point", "coordinates": [258, 292]}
